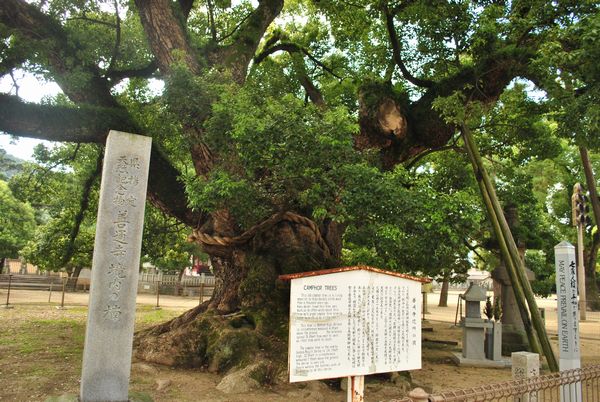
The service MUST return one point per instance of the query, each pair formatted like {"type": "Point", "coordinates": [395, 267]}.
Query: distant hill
{"type": "Point", "coordinates": [9, 165]}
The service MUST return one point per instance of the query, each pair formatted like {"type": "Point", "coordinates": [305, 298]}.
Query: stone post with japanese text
{"type": "Point", "coordinates": [525, 365]}
{"type": "Point", "coordinates": [567, 316]}
{"type": "Point", "coordinates": [109, 333]}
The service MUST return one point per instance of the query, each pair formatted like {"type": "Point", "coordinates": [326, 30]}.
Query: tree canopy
{"type": "Point", "coordinates": [17, 222]}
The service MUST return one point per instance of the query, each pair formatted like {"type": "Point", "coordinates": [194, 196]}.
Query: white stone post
{"type": "Point", "coordinates": [567, 316]}
{"type": "Point", "coordinates": [525, 365]}
{"type": "Point", "coordinates": [115, 267]}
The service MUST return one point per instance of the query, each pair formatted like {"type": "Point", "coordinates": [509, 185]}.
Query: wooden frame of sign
{"type": "Point", "coordinates": [351, 322]}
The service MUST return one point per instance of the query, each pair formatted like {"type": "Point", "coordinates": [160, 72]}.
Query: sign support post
{"type": "Point", "coordinates": [356, 388]}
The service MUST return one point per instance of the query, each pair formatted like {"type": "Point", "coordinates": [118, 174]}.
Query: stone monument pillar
{"type": "Point", "coordinates": [109, 333]}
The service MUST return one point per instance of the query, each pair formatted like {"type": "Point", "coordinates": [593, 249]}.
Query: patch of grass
{"type": "Point", "coordinates": [42, 371]}
{"type": "Point", "coordinates": [59, 337]}
{"type": "Point", "coordinates": [41, 349]}
{"type": "Point", "coordinates": [149, 316]}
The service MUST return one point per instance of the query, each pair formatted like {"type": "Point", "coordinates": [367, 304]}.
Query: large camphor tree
{"type": "Point", "coordinates": [279, 129]}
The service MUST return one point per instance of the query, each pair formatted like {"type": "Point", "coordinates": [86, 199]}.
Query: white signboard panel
{"type": "Point", "coordinates": [353, 323]}
{"type": "Point", "coordinates": [568, 307]}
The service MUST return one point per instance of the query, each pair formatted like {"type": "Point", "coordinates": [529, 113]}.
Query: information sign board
{"type": "Point", "coordinates": [353, 321]}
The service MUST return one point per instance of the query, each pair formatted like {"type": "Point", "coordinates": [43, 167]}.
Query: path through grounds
{"type": "Point", "coordinates": [589, 328]}
{"type": "Point", "coordinates": [31, 370]}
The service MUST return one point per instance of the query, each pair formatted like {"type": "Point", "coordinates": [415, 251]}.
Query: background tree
{"type": "Point", "coordinates": [9, 165]}
{"type": "Point", "coordinates": [16, 223]}
{"type": "Point", "coordinates": [62, 186]}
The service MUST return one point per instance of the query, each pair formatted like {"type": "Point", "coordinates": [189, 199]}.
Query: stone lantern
{"type": "Point", "coordinates": [473, 325]}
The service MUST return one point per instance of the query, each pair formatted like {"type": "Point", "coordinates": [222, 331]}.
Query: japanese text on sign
{"type": "Point", "coordinates": [353, 323]}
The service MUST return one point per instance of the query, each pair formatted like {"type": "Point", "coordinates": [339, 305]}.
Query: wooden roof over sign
{"type": "Point", "coordinates": [288, 277]}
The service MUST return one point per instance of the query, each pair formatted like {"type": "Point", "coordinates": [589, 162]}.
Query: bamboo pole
{"type": "Point", "coordinates": [506, 236]}
{"type": "Point", "coordinates": [510, 267]}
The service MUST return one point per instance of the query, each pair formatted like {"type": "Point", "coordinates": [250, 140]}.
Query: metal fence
{"type": "Point", "coordinates": [592, 312]}
{"type": "Point", "coordinates": [579, 385]}
{"type": "Point", "coordinates": [174, 279]}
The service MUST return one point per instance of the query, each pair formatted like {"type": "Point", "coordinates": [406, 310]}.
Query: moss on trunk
{"type": "Point", "coordinates": [247, 318]}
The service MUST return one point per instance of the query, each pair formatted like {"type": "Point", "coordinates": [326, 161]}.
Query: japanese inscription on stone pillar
{"type": "Point", "coordinates": [115, 266]}
{"type": "Point", "coordinates": [567, 306]}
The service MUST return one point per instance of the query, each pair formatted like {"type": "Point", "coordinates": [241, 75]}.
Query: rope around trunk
{"type": "Point", "coordinates": [209, 240]}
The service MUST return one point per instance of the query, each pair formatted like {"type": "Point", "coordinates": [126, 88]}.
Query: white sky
{"type": "Point", "coordinates": [31, 90]}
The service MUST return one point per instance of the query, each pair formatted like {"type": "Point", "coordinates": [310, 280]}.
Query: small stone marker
{"type": "Point", "coordinates": [525, 365]}
{"type": "Point", "coordinates": [568, 316]}
{"type": "Point", "coordinates": [109, 334]}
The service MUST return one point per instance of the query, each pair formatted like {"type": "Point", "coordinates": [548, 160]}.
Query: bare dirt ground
{"type": "Point", "coordinates": [41, 348]}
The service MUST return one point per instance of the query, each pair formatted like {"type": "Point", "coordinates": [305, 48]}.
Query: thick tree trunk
{"type": "Point", "coordinates": [591, 284]}
{"type": "Point", "coordinates": [72, 283]}
{"type": "Point", "coordinates": [592, 296]}
{"type": "Point", "coordinates": [246, 318]}
{"type": "Point", "coordinates": [444, 292]}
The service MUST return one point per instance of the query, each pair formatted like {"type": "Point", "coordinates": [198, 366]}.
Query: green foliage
{"type": "Point", "coordinates": [517, 128]}
{"type": "Point", "coordinates": [17, 222]}
{"type": "Point", "coordinates": [275, 154]}
{"type": "Point", "coordinates": [497, 310]}
{"type": "Point", "coordinates": [406, 224]}
{"type": "Point", "coordinates": [543, 268]}
{"type": "Point", "coordinates": [54, 185]}
{"type": "Point", "coordinates": [47, 248]}
{"type": "Point", "coordinates": [488, 309]}
{"type": "Point", "coordinates": [568, 65]}
{"type": "Point", "coordinates": [164, 242]}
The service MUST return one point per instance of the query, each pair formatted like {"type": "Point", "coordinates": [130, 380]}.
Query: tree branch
{"type": "Point", "coordinates": [49, 39]}
{"type": "Point", "coordinates": [98, 110]}
{"type": "Point", "coordinates": [83, 206]}
{"type": "Point", "coordinates": [422, 155]}
{"type": "Point", "coordinates": [474, 250]}
{"type": "Point", "coordinates": [166, 35]}
{"type": "Point", "coordinates": [292, 48]}
{"type": "Point", "coordinates": [186, 7]}
{"type": "Point", "coordinates": [91, 125]}
{"type": "Point", "coordinates": [167, 193]}
{"type": "Point", "coordinates": [115, 53]}
{"type": "Point", "coordinates": [93, 20]}
{"type": "Point", "coordinates": [143, 72]}
{"type": "Point", "coordinates": [88, 124]}
{"type": "Point", "coordinates": [389, 22]}
{"type": "Point", "coordinates": [211, 20]}
{"type": "Point", "coordinates": [246, 39]}
{"type": "Point", "coordinates": [234, 30]}
{"type": "Point", "coordinates": [299, 68]}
